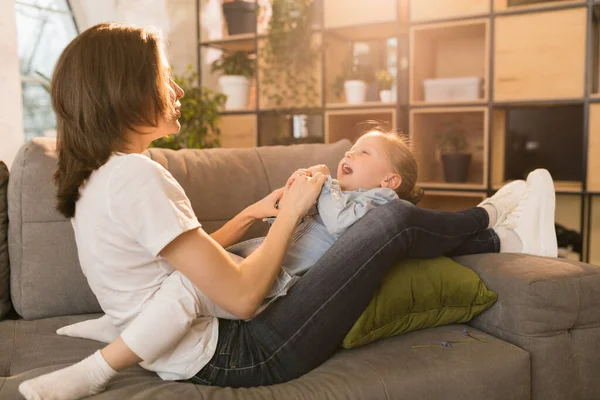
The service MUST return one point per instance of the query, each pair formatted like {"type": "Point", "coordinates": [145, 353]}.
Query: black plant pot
{"type": "Point", "coordinates": [240, 17]}
{"type": "Point", "coordinates": [456, 166]}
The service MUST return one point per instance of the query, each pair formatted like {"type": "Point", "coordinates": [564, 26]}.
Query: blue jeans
{"type": "Point", "coordinates": [301, 330]}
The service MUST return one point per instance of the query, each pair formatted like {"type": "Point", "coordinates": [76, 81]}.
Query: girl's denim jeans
{"type": "Point", "coordinates": [303, 329]}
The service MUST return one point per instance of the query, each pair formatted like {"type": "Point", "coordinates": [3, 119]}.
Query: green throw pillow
{"type": "Point", "coordinates": [418, 294]}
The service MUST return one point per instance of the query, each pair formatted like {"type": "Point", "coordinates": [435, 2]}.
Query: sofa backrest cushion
{"type": "Point", "coordinates": [5, 304]}
{"type": "Point", "coordinates": [46, 279]}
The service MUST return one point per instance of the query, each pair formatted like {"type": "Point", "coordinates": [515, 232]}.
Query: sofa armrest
{"type": "Point", "coordinates": [551, 308]}
{"type": "Point", "coordinates": [537, 295]}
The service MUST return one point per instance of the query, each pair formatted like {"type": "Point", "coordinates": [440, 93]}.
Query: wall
{"type": "Point", "coordinates": [11, 113]}
{"type": "Point", "coordinates": [175, 18]}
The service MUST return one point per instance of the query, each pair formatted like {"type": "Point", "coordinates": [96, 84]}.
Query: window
{"type": "Point", "coordinates": [44, 28]}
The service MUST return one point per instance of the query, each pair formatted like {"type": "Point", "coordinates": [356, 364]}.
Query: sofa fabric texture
{"type": "Point", "coordinates": [551, 308]}
{"type": "Point", "coordinates": [5, 303]}
{"type": "Point", "coordinates": [371, 372]}
{"type": "Point", "coordinates": [46, 278]}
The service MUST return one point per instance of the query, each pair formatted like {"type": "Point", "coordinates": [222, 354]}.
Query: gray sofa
{"type": "Point", "coordinates": [543, 334]}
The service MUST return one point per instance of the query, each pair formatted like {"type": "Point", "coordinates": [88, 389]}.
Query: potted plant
{"type": "Point", "coordinates": [385, 81]}
{"type": "Point", "coordinates": [454, 150]}
{"type": "Point", "coordinates": [290, 54]}
{"type": "Point", "coordinates": [240, 16]}
{"type": "Point", "coordinates": [353, 80]}
{"type": "Point", "coordinates": [237, 69]}
{"type": "Point", "coordinates": [199, 116]}
{"type": "Point", "coordinates": [355, 86]}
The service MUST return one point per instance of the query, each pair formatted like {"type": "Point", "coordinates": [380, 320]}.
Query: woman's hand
{"type": "Point", "coordinates": [266, 207]}
{"type": "Point", "coordinates": [300, 193]}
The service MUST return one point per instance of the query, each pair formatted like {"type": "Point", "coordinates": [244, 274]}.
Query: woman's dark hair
{"type": "Point", "coordinates": [109, 79]}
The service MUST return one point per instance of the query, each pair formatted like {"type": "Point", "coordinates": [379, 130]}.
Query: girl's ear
{"type": "Point", "coordinates": [392, 181]}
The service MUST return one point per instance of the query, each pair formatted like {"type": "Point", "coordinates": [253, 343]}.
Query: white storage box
{"type": "Point", "coordinates": [452, 89]}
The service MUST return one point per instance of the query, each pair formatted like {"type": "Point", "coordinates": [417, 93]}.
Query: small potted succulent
{"type": "Point", "coordinates": [237, 69]}
{"type": "Point", "coordinates": [454, 150]}
{"type": "Point", "coordinates": [240, 16]}
{"type": "Point", "coordinates": [385, 81]}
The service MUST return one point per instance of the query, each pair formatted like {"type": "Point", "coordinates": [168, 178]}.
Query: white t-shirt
{"type": "Point", "coordinates": [129, 210]}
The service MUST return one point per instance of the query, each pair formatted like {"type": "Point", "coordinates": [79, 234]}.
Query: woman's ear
{"type": "Point", "coordinates": [392, 181]}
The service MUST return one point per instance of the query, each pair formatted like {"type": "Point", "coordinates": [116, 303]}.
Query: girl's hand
{"type": "Point", "coordinates": [322, 168]}
{"type": "Point", "coordinates": [266, 207]}
{"type": "Point", "coordinates": [295, 174]}
{"type": "Point", "coordinates": [300, 193]}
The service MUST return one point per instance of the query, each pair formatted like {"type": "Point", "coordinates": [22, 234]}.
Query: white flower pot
{"type": "Point", "coordinates": [385, 96]}
{"type": "Point", "coordinates": [355, 91]}
{"type": "Point", "coordinates": [236, 88]}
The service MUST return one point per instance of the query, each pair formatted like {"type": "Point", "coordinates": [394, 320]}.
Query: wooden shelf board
{"type": "Point", "coordinates": [451, 24]}
{"type": "Point", "coordinates": [450, 185]}
{"type": "Point", "coordinates": [244, 42]}
{"type": "Point", "coordinates": [380, 30]}
{"type": "Point", "coordinates": [595, 95]}
{"type": "Point", "coordinates": [289, 110]}
{"type": "Point", "coordinates": [365, 105]}
{"type": "Point", "coordinates": [421, 11]}
{"type": "Point", "coordinates": [449, 109]}
{"type": "Point", "coordinates": [238, 111]}
{"type": "Point", "coordinates": [358, 111]}
{"type": "Point", "coordinates": [568, 186]}
{"type": "Point", "coordinates": [499, 8]}
{"type": "Point", "coordinates": [559, 186]}
{"type": "Point", "coordinates": [421, 103]}
{"type": "Point", "coordinates": [539, 102]}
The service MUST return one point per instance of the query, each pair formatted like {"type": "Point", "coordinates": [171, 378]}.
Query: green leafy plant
{"type": "Point", "coordinates": [200, 116]}
{"type": "Point", "coordinates": [384, 79]}
{"type": "Point", "coordinates": [236, 63]}
{"type": "Point", "coordinates": [290, 55]}
{"type": "Point", "coordinates": [453, 138]}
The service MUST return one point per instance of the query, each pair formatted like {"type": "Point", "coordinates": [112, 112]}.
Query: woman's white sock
{"type": "Point", "coordinates": [492, 214]}
{"type": "Point", "coordinates": [86, 378]}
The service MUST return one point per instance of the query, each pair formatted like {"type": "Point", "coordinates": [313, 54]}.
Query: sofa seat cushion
{"type": "Point", "coordinates": [492, 370]}
{"type": "Point", "coordinates": [7, 345]}
{"type": "Point", "coordinates": [36, 344]}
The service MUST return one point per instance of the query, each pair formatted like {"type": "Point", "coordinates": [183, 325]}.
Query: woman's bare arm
{"type": "Point", "coordinates": [240, 289]}
{"type": "Point", "coordinates": [233, 231]}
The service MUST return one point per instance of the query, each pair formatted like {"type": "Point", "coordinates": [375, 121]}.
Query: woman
{"type": "Point", "coordinates": [134, 227]}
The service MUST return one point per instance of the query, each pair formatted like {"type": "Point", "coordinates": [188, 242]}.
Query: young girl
{"type": "Point", "coordinates": [134, 227]}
